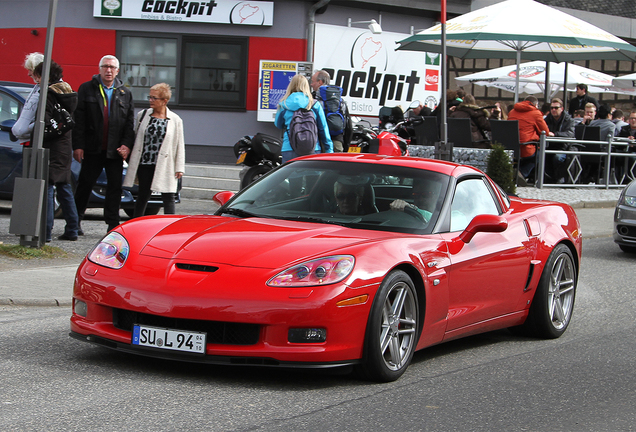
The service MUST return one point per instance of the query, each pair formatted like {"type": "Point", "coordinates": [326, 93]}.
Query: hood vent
{"type": "Point", "coordinates": [197, 267]}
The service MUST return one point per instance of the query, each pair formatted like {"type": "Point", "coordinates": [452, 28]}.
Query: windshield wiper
{"type": "Point", "coordinates": [312, 219]}
{"type": "Point", "coordinates": [238, 212]}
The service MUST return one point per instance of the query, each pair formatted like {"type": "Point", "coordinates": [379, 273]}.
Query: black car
{"type": "Point", "coordinates": [12, 97]}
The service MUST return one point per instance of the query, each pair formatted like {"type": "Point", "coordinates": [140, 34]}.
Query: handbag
{"type": "Point", "coordinates": [58, 124]}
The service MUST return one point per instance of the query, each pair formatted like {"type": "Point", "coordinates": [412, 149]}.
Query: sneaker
{"type": "Point", "coordinates": [67, 237]}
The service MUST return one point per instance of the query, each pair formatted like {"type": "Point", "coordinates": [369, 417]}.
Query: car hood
{"type": "Point", "coordinates": [251, 242]}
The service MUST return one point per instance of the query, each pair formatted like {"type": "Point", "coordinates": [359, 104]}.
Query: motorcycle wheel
{"type": "Point", "coordinates": [253, 174]}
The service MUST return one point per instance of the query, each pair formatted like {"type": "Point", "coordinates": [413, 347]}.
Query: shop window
{"type": "Point", "coordinates": [204, 72]}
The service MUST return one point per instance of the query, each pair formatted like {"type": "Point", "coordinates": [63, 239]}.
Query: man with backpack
{"type": "Point", "coordinates": [335, 108]}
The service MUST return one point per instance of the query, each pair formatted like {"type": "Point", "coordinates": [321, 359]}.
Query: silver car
{"type": "Point", "coordinates": [625, 219]}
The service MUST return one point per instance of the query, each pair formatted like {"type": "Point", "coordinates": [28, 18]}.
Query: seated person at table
{"type": "Point", "coordinates": [349, 192]}
{"type": "Point", "coordinates": [425, 195]}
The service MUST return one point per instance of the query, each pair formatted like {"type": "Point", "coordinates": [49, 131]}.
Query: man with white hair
{"type": "Point", "coordinates": [103, 137]}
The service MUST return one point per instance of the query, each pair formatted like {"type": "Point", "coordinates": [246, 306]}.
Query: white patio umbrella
{"type": "Point", "coordinates": [625, 81]}
{"type": "Point", "coordinates": [532, 79]}
{"type": "Point", "coordinates": [521, 29]}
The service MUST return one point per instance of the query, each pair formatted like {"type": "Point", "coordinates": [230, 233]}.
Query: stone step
{"type": "Point", "coordinates": [203, 181]}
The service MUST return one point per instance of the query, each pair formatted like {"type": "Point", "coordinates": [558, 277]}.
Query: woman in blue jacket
{"type": "Point", "coordinates": [298, 95]}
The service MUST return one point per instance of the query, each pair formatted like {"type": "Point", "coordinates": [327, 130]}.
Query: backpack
{"type": "Point", "coordinates": [331, 99]}
{"type": "Point", "coordinates": [303, 132]}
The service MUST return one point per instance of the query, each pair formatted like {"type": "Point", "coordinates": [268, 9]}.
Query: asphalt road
{"type": "Point", "coordinates": [583, 381]}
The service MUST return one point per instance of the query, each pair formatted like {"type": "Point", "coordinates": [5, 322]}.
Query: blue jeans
{"type": "Point", "coordinates": [67, 202]}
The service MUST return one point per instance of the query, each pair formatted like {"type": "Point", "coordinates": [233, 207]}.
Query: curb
{"type": "Point", "coordinates": [593, 204]}
{"type": "Point", "coordinates": [35, 302]}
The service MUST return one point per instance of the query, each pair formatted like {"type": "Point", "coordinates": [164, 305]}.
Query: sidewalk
{"type": "Point", "coordinates": [49, 282]}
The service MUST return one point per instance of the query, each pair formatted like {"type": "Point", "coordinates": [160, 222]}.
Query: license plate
{"type": "Point", "coordinates": [355, 149]}
{"type": "Point", "coordinates": [241, 158]}
{"type": "Point", "coordinates": [177, 340]}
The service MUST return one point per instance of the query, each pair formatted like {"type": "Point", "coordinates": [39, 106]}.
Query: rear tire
{"type": "Point", "coordinates": [553, 303]}
{"type": "Point", "coordinates": [253, 174]}
{"type": "Point", "coordinates": [392, 329]}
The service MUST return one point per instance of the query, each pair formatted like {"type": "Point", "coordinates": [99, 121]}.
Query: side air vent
{"type": "Point", "coordinates": [197, 267]}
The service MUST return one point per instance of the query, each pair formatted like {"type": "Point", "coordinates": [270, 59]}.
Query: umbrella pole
{"type": "Point", "coordinates": [444, 149]}
{"type": "Point", "coordinates": [547, 91]}
{"type": "Point", "coordinates": [518, 71]}
{"type": "Point", "coordinates": [565, 87]}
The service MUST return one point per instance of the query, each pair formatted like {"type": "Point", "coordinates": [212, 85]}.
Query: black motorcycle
{"type": "Point", "coordinates": [260, 153]}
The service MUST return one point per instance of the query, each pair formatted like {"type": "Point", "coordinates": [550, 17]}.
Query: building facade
{"type": "Point", "coordinates": [209, 51]}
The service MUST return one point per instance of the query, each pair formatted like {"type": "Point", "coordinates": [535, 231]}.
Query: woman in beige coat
{"type": "Point", "coordinates": [158, 156]}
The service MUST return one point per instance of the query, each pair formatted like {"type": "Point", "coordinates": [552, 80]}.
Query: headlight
{"type": "Point", "coordinates": [111, 252]}
{"type": "Point", "coordinates": [629, 200]}
{"type": "Point", "coordinates": [320, 271]}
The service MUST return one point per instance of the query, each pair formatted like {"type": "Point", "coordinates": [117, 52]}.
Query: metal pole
{"type": "Point", "coordinates": [446, 146]}
{"type": "Point", "coordinates": [548, 88]}
{"type": "Point", "coordinates": [518, 71]}
{"type": "Point", "coordinates": [540, 158]}
{"type": "Point", "coordinates": [565, 87]}
{"type": "Point", "coordinates": [38, 129]}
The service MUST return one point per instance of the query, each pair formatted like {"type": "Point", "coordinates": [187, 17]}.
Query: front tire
{"type": "Point", "coordinates": [553, 303]}
{"type": "Point", "coordinates": [392, 329]}
{"type": "Point", "coordinates": [627, 249]}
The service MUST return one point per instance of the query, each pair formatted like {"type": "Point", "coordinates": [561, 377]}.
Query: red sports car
{"type": "Point", "coordinates": [333, 260]}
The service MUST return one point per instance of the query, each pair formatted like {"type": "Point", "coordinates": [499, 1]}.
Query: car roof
{"type": "Point", "coordinates": [449, 168]}
{"type": "Point", "coordinates": [16, 88]}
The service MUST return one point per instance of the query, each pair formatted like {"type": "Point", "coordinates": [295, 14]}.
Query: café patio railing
{"type": "Point", "coordinates": [607, 154]}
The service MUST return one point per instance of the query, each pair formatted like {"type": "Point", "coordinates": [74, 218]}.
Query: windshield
{"type": "Point", "coordinates": [354, 194]}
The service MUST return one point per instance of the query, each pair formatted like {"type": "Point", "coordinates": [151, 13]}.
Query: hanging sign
{"type": "Point", "coordinates": [370, 71]}
{"type": "Point", "coordinates": [274, 77]}
{"type": "Point", "coordinates": [207, 11]}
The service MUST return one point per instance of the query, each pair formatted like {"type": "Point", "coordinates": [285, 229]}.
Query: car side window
{"type": "Point", "coordinates": [9, 107]}
{"type": "Point", "coordinates": [472, 197]}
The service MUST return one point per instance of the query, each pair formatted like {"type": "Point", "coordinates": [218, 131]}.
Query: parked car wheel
{"type": "Point", "coordinates": [553, 302]}
{"type": "Point", "coordinates": [392, 329]}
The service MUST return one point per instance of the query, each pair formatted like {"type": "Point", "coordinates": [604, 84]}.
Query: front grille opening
{"type": "Point", "coordinates": [197, 267]}
{"type": "Point", "coordinates": [218, 332]}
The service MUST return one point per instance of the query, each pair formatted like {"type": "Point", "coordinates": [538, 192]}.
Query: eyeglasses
{"type": "Point", "coordinates": [632, 118]}
{"type": "Point", "coordinates": [347, 196]}
{"type": "Point", "coordinates": [555, 107]}
{"type": "Point", "coordinates": [108, 67]}
{"type": "Point", "coordinates": [152, 98]}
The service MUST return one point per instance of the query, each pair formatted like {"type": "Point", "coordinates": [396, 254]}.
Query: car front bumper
{"type": "Point", "coordinates": [233, 297]}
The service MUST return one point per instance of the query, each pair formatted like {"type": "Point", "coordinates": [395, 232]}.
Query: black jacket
{"type": "Point", "coordinates": [89, 119]}
{"type": "Point", "coordinates": [563, 127]}
{"type": "Point", "coordinates": [579, 102]}
{"type": "Point", "coordinates": [60, 148]}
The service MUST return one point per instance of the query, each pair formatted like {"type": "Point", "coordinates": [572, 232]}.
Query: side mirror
{"type": "Point", "coordinates": [414, 104]}
{"type": "Point", "coordinates": [222, 197]}
{"type": "Point", "coordinates": [483, 223]}
{"type": "Point", "coordinates": [6, 126]}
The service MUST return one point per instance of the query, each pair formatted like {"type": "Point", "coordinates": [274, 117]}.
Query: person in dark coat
{"type": "Point", "coordinates": [581, 99]}
{"type": "Point", "coordinates": [478, 116]}
{"type": "Point", "coordinates": [103, 137]}
{"type": "Point", "coordinates": [60, 155]}
{"type": "Point", "coordinates": [560, 125]}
